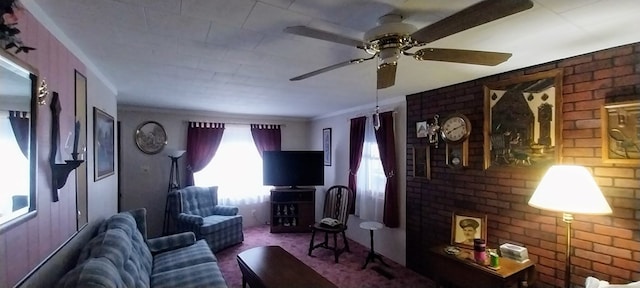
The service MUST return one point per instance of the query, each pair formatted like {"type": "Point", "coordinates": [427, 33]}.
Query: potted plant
{"type": "Point", "coordinates": [8, 32]}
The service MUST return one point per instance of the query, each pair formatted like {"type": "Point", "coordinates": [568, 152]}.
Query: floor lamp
{"type": "Point", "coordinates": [569, 189]}
{"type": "Point", "coordinates": [174, 183]}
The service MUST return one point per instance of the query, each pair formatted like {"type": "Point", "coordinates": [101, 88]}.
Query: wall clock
{"type": "Point", "coordinates": [455, 131]}
{"type": "Point", "coordinates": [150, 137]}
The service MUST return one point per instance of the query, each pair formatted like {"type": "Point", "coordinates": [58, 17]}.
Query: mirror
{"type": "Point", "coordinates": [18, 85]}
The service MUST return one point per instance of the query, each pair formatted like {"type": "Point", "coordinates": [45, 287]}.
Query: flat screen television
{"type": "Point", "coordinates": [293, 168]}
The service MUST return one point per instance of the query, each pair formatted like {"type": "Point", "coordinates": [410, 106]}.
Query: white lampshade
{"type": "Point", "coordinates": [569, 189]}
{"type": "Point", "coordinates": [176, 153]}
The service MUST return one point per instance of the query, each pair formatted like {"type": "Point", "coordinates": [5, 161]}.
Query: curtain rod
{"type": "Point", "coordinates": [237, 123]}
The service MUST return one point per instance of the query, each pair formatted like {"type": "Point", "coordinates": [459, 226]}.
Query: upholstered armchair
{"type": "Point", "coordinates": [199, 212]}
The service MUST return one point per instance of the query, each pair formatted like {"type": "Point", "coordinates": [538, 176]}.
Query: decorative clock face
{"type": "Point", "coordinates": [455, 128]}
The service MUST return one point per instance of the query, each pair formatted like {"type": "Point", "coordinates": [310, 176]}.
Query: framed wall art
{"type": "Point", "coordinates": [150, 137]}
{"type": "Point", "coordinates": [421, 161]}
{"type": "Point", "coordinates": [103, 144]}
{"type": "Point", "coordinates": [326, 146]}
{"type": "Point", "coordinates": [523, 121]}
{"type": "Point", "coordinates": [621, 133]}
{"type": "Point", "coordinates": [421, 129]}
{"type": "Point", "coordinates": [466, 226]}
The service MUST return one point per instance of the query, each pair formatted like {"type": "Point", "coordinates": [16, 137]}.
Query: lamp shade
{"type": "Point", "coordinates": [569, 189]}
{"type": "Point", "coordinates": [176, 153]}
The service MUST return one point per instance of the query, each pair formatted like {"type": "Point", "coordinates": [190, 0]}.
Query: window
{"type": "Point", "coordinates": [236, 169]}
{"type": "Point", "coordinates": [16, 179]}
{"type": "Point", "coordinates": [371, 180]}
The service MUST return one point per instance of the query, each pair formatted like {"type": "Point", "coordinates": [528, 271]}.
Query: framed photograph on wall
{"type": "Point", "coordinates": [466, 226]}
{"type": "Point", "coordinates": [103, 144]}
{"type": "Point", "coordinates": [421, 161]}
{"type": "Point", "coordinates": [326, 146]}
{"type": "Point", "coordinates": [523, 121]}
{"type": "Point", "coordinates": [621, 133]}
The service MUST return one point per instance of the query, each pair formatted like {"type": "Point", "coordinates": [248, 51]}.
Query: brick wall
{"type": "Point", "coordinates": [607, 247]}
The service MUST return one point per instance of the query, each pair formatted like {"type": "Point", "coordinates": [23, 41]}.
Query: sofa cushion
{"type": "Point", "coordinates": [183, 257]}
{"type": "Point", "coordinates": [201, 275]}
{"type": "Point", "coordinates": [215, 223]}
{"type": "Point", "coordinates": [95, 272]}
{"type": "Point", "coordinates": [116, 246]}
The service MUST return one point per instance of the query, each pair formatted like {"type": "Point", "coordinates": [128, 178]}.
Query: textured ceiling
{"type": "Point", "coordinates": [232, 56]}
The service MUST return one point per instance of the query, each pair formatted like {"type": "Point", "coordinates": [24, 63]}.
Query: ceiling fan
{"type": "Point", "coordinates": [392, 38]}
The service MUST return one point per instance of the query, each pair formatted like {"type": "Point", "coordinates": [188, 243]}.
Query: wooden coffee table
{"type": "Point", "coordinates": [272, 266]}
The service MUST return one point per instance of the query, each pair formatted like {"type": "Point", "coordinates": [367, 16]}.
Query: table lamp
{"type": "Point", "coordinates": [569, 189]}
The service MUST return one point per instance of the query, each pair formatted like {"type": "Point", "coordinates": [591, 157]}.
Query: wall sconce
{"type": "Point", "coordinates": [43, 92]}
{"type": "Point", "coordinates": [433, 129]}
{"type": "Point", "coordinates": [59, 172]}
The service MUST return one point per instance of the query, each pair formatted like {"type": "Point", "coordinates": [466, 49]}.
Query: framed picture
{"type": "Point", "coordinates": [421, 129]}
{"type": "Point", "coordinates": [621, 133]}
{"type": "Point", "coordinates": [523, 121]}
{"type": "Point", "coordinates": [150, 137]}
{"type": "Point", "coordinates": [326, 146]}
{"type": "Point", "coordinates": [467, 226]}
{"type": "Point", "coordinates": [103, 144]}
{"type": "Point", "coordinates": [421, 161]}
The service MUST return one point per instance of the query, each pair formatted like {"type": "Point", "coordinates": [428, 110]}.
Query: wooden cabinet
{"type": "Point", "coordinates": [292, 210]}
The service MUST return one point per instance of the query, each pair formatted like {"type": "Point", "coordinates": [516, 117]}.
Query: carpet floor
{"type": "Point", "coordinates": [347, 273]}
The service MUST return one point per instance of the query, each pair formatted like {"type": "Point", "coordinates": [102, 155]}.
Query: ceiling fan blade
{"type": "Point", "coordinates": [329, 68]}
{"type": "Point", "coordinates": [324, 35]}
{"type": "Point", "coordinates": [387, 75]}
{"type": "Point", "coordinates": [475, 15]}
{"type": "Point", "coordinates": [462, 56]}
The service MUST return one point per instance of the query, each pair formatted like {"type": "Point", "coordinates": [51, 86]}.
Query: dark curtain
{"type": "Point", "coordinates": [203, 140]}
{"type": "Point", "coordinates": [266, 137]}
{"type": "Point", "coordinates": [387, 146]}
{"type": "Point", "coordinates": [20, 125]}
{"type": "Point", "coordinates": [356, 142]}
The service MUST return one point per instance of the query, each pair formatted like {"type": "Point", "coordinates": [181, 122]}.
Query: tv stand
{"type": "Point", "coordinates": [292, 209]}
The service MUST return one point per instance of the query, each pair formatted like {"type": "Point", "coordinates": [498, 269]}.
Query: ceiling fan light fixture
{"type": "Point", "coordinates": [389, 56]}
{"type": "Point", "coordinates": [390, 24]}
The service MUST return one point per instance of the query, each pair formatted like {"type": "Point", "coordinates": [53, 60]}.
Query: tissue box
{"type": "Point", "coordinates": [514, 252]}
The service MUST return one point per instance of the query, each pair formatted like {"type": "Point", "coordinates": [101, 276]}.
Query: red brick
{"type": "Point", "coordinates": [626, 264]}
{"type": "Point", "coordinates": [626, 80]}
{"type": "Point", "coordinates": [593, 85]}
{"type": "Point", "coordinates": [606, 230]}
{"type": "Point", "coordinates": [627, 183]}
{"type": "Point", "coordinates": [614, 172]}
{"type": "Point", "coordinates": [575, 97]}
{"type": "Point", "coordinates": [613, 72]}
{"type": "Point", "coordinates": [511, 182]}
{"type": "Point", "coordinates": [613, 52]}
{"type": "Point", "coordinates": [606, 259]}
{"type": "Point", "coordinates": [578, 152]}
{"type": "Point", "coordinates": [613, 251]}
{"type": "Point", "coordinates": [590, 142]}
{"type": "Point", "coordinates": [612, 271]}
{"type": "Point", "coordinates": [585, 133]}
{"type": "Point", "coordinates": [591, 237]}
{"type": "Point", "coordinates": [577, 115]}
{"type": "Point", "coordinates": [627, 244]}
{"type": "Point", "coordinates": [577, 78]}
{"type": "Point", "coordinates": [589, 105]}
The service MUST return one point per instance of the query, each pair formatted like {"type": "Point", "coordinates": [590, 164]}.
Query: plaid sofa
{"type": "Point", "coordinates": [120, 255]}
{"type": "Point", "coordinates": [198, 211]}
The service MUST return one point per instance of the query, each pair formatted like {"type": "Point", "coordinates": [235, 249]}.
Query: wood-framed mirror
{"type": "Point", "coordinates": [18, 141]}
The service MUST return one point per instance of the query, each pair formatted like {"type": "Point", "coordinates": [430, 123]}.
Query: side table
{"type": "Point", "coordinates": [461, 271]}
{"type": "Point", "coordinates": [372, 226]}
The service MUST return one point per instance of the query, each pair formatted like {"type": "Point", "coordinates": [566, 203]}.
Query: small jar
{"type": "Point", "coordinates": [479, 251]}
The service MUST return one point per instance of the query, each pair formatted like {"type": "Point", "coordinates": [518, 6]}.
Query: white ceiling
{"type": "Point", "coordinates": [231, 56]}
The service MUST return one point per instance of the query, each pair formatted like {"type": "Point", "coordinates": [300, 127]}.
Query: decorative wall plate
{"type": "Point", "coordinates": [150, 137]}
